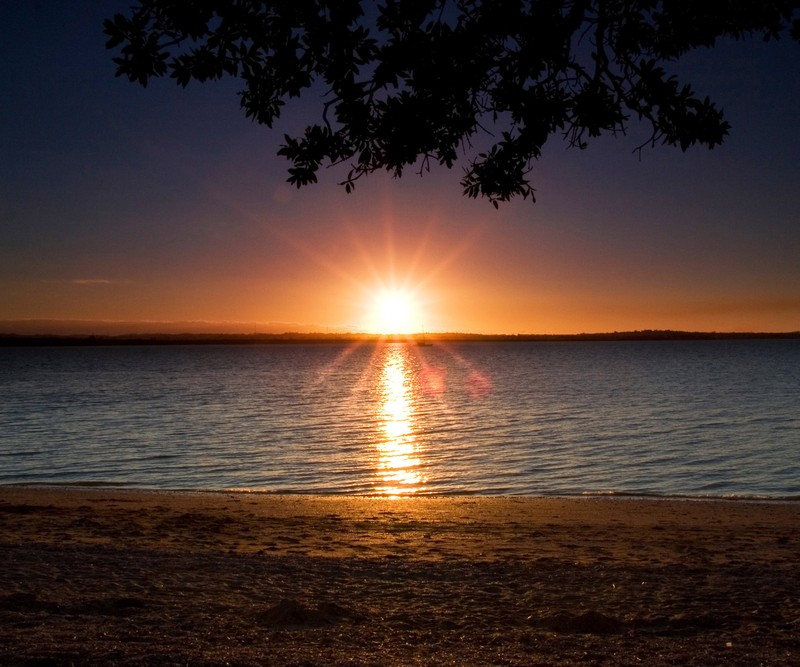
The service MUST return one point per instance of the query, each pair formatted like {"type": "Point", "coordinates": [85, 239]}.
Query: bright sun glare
{"type": "Point", "coordinates": [394, 311]}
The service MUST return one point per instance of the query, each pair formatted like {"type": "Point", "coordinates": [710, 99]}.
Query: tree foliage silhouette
{"type": "Point", "coordinates": [416, 82]}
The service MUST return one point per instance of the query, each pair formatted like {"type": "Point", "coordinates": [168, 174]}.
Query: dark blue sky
{"type": "Point", "coordinates": [121, 203]}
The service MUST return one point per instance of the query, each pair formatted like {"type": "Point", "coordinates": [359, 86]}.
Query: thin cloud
{"type": "Point", "coordinates": [98, 281]}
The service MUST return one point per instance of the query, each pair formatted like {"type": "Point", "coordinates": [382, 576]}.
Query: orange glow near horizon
{"type": "Point", "coordinates": [405, 271]}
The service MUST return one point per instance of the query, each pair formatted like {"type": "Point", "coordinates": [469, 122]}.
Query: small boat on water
{"type": "Point", "coordinates": [421, 342]}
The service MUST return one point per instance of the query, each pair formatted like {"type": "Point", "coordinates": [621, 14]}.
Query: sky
{"type": "Point", "coordinates": [162, 209]}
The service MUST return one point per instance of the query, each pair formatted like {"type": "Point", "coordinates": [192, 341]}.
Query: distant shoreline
{"type": "Point", "coordinates": [47, 340]}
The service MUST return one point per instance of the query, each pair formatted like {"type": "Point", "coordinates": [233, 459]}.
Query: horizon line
{"type": "Point", "coordinates": [38, 327]}
{"type": "Point", "coordinates": [15, 339]}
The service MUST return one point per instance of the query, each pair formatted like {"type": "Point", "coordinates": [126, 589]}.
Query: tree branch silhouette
{"type": "Point", "coordinates": [422, 82]}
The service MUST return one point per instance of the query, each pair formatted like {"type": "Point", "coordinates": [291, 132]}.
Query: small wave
{"type": "Point", "coordinates": [74, 483]}
{"type": "Point", "coordinates": [754, 497]}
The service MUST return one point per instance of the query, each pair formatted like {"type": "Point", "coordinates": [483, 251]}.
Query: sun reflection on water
{"type": "Point", "coordinates": [399, 463]}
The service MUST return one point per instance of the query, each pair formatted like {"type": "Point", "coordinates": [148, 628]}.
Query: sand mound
{"type": "Point", "coordinates": [292, 614]}
{"type": "Point", "coordinates": [586, 622]}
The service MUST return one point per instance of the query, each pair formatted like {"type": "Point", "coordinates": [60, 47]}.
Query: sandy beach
{"type": "Point", "coordinates": [125, 577]}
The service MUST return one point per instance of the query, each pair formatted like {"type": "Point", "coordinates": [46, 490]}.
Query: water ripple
{"type": "Point", "coordinates": [717, 418]}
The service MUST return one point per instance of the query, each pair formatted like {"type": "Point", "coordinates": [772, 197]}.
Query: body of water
{"type": "Point", "coordinates": [697, 418]}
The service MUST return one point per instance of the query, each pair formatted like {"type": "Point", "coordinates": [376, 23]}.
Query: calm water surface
{"type": "Point", "coordinates": [705, 418]}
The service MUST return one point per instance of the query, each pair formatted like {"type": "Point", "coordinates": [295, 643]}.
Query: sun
{"type": "Point", "coordinates": [394, 311]}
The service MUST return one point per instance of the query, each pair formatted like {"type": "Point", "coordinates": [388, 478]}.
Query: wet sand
{"type": "Point", "coordinates": [121, 577]}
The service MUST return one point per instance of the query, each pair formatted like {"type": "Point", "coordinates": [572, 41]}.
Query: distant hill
{"type": "Point", "coordinates": [22, 340]}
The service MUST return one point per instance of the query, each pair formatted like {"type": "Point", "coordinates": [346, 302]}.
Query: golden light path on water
{"type": "Point", "coordinates": [399, 463]}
